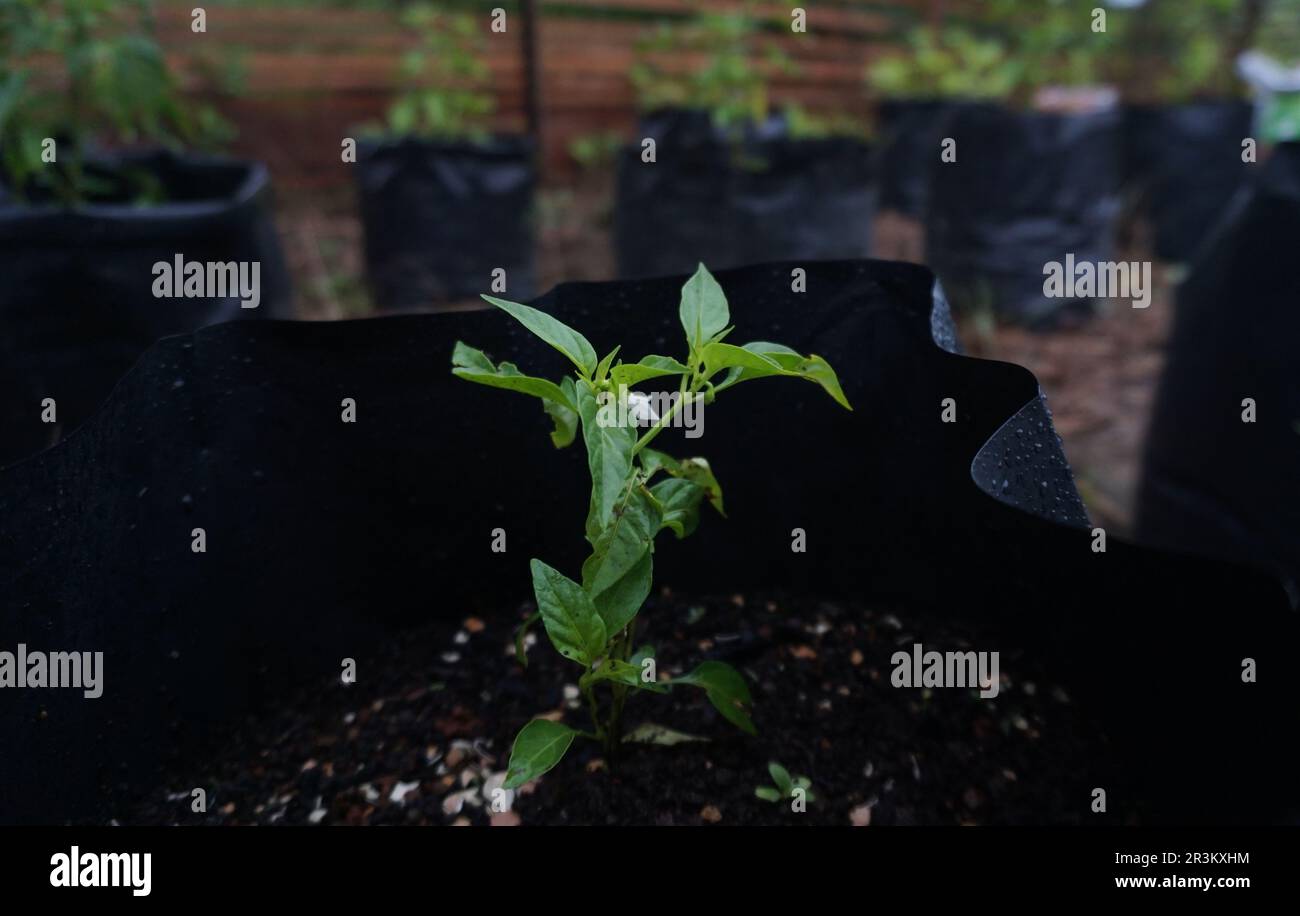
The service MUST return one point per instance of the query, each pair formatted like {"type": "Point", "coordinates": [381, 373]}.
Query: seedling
{"type": "Point", "coordinates": [737, 57]}
{"type": "Point", "coordinates": [1008, 54]}
{"type": "Point", "coordinates": [82, 72]}
{"type": "Point", "coordinates": [786, 786]}
{"type": "Point", "coordinates": [596, 150]}
{"type": "Point", "coordinates": [447, 92]}
{"type": "Point", "coordinates": [1187, 52]}
{"type": "Point", "coordinates": [636, 493]}
{"type": "Point", "coordinates": [948, 62]}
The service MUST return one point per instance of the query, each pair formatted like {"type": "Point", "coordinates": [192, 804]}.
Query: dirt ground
{"type": "Point", "coordinates": [1100, 377]}
{"type": "Point", "coordinates": [427, 739]}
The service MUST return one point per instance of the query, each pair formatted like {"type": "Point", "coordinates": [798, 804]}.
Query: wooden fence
{"type": "Point", "coordinates": [313, 73]}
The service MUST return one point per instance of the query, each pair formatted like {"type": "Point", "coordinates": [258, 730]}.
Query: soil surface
{"type": "Point", "coordinates": [423, 736]}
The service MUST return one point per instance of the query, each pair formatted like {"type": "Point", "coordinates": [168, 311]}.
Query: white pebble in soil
{"type": "Point", "coordinates": [401, 790]}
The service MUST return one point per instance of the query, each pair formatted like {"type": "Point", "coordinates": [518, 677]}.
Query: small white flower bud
{"type": "Point", "coordinates": [640, 409]}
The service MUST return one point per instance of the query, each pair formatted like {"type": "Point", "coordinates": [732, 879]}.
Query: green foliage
{"type": "Point", "coordinates": [637, 492]}
{"type": "Point", "coordinates": [785, 785]}
{"type": "Point", "coordinates": [596, 150]}
{"type": "Point", "coordinates": [948, 62]}
{"type": "Point", "coordinates": [731, 82]}
{"type": "Point", "coordinates": [1187, 50]}
{"type": "Point", "coordinates": [1279, 32]}
{"type": "Point", "coordinates": [447, 94]}
{"type": "Point", "coordinates": [540, 745]}
{"type": "Point", "coordinates": [1009, 51]}
{"type": "Point", "coordinates": [726, 690]}
{"type": "Point", "coordinates": [1053, 42]}
{"type": "Point", "coordinates": [83, 73]}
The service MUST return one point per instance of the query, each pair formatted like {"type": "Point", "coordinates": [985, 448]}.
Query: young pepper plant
{"type": "Point", "coordinates": [636, 492]}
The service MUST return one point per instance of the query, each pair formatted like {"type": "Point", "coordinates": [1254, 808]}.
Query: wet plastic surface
{"type": "Point", "coordinates": [441, 217]}
{"type": "Point", "coordinates": [909, 144]}
{"type": "Point", "coordinates": [77, 306]}
{"type": "Point", "coordinates": [323, 534]}
{"type": "Point", "coordinates": [1186, 161]}
{"type": "Point", "coordinates": [1025, 189]}
{"type": "Point", "coordinates": [767, 198]}
{"type": "Point", "coordinates": [1212, 483]}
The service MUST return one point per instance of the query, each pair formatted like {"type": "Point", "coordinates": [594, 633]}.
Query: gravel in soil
{"type": "Point", "coordinates": [424, 735]}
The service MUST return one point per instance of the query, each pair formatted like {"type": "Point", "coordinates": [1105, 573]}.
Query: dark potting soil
{"type": "Point", "coordinates": [424, 735]}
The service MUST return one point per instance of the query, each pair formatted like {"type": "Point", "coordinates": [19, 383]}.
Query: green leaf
{"type": "Point", "coordinates": [718, 356]}
{"type": "Point", "coordinates": [565, 416]}
{"type": "Point", "coordinates": [783, 357]}
{"type": "Point", "coordinates": [474, 366]}
{"type": "Point", "coordinates": [11, 91]}
{"type": "Point", "coordinates": [571, 621]}
{"type": "Point", "coordinates": [650, 733]}
{"type": "Point", "coordinates": [555, 332]}
{"type": "Point", "coordinates": [520, 652]}
{"type": "Point", "coordinates": [653, 461]}
{"type": "Point", "coordinates": [402, 116]}
{"type": "Point", "coordinates": [726, 690]}
{"type": "Point", "coordinates": [696, 470]}
{"type": "Point", "coordinates": [538, 747]}
{"type": "Point", "coordinates": [621, 672]}
{"type": "Point", "coordinates": [680, 500]}
{"type": "Point", "coordinates": [649, 367]}
{"type": "Point", "coordinates": [817, 370]}
{"type": "Point", "coordinates": [619, 603]}
{"type": "Point", "coordinates": [703, 308]}
{"type": "Point", "coordinates": [789, 363]}
{"type": "Point", "coordinates": [618, 572]}
{"type": "Point", "coordinates": [609, 458]}
{"type": "Point", "coordinates": [767, 793]}
{"type": "Point", "coordinates": [559, 401]}
{"type": "Point", "coordinates": [602, 370]}
{"type": "Point", "coordinates": [781, 776]}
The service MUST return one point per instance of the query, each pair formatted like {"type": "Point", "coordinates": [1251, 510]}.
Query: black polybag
{"type": "Point", "coordinates": [1025, 189]}
{"type": "Point", "coordinates": [1188, 160]}
{"type": "Point", "coordinates": [321, 533]}
{"type": "Point", "coordinates": [441, 217]}
{"type": "Point", "coordinates": [909, 143]}
{"type": "Point", "coordinates": [1212, 483]}
{"type": "Point", "coordinates": [726, 202]}
{"type": "Point", "coordinates": [77, 306]}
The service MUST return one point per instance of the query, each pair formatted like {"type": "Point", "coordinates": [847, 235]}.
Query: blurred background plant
{"type": "Point", "coordinates": [1279, 31]}
{"type": "Point", "coordinates": [1175, 51]}
{"type": "Point", "coordinates": [738, 59]}
{"type": "Point", "coordinates": [729, 84]}
{"type": "Point", "coordinates": [947, 62]}
{"type": "Point", "coordinates": [447, 86]}
{"type": "Point", "coordinates": [89, 75]}
{"type": "Point", "coordinates": [1010, 53]}
{"type": "Point", "coordinates": [596, 150]}
{"type": "Point", "coordinates": [1053, 42]}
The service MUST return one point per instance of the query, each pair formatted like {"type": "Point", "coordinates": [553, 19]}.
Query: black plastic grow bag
{"type": "Point", "coordinates": [1185, 163]}
{"type": "Point", "coordinates": [440, 217]}
{"type": "Point", "coordinates": [909, 144]}
{"type": "Point", "coordinates": [321, 533]}
{"type": "Point", "coordinates": [1213, 483]}
{"type": "Point", "coordinates": [1027, 188]}
{"type": "Point", "coordinates": [763, 197]}
{"type": "Point", "coordinates": [77, 305]}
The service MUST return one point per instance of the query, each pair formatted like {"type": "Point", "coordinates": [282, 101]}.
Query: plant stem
{"type": "Point", "coordinates": [601, 734]}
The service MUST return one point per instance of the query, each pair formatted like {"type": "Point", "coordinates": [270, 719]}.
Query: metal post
{"type": "Point", "coordinates": [532, 77]}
